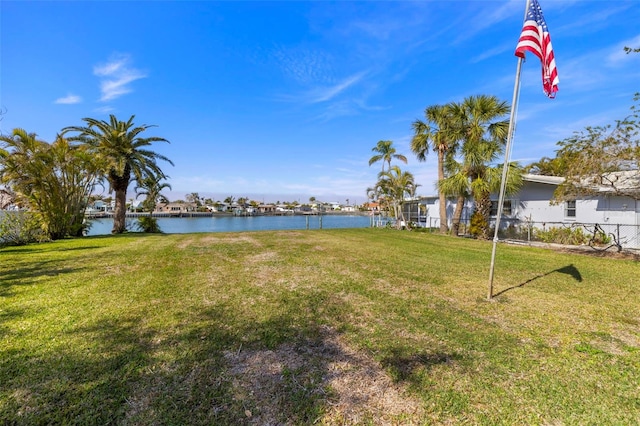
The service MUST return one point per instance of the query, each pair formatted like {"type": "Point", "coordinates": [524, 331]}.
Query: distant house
{"type": "Point", "coordinates": [283, 208]}
{"type": "Point", "coordinates": [100, 205]}
{"type": "Point", "coordinates": [175, 208]}
{"type": "Point", "coordinates": [372, 206]}
{"type": "Point", "coordinates": [219, 207]}
{"type": "Point", "coordinates": [267, 208]}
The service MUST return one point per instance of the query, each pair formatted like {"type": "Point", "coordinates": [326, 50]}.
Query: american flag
{"type": "Point", "coordinates": [535, 38]}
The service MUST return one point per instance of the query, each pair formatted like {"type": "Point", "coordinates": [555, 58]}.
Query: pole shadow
{"type": "Point", "coordinates": [568, 269]}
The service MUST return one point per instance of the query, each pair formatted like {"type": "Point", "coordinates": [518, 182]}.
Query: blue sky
{"type": "Point", "coordinates": [284, 100]}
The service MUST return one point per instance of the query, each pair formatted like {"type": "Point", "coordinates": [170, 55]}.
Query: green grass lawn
{"type": "Point", "coordinates": [332, 326]}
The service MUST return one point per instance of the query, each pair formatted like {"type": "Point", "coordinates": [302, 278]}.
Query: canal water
{"type": "Point", "coordinates": [185, 225]}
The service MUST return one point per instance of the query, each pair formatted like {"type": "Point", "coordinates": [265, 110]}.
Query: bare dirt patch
{"type": "Point", "coordinates": [609, 254]}
{"type": "Point", "coordinates": [265, 256]}
{"type": "Point", "coordinates": [348, 386]}
{"type": "Point", "coordinates": [203, 241]}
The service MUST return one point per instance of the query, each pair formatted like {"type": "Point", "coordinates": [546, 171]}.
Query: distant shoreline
{"type": "Point", "coordinates": [103, 215]}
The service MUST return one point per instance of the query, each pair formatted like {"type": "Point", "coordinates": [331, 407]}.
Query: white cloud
{"type": "Point", "coordinates": [69, 100]}
{"type": "Point", "coordinates": [618, 56]}
{"type": "Point", "coordinates": [505, 47]}
{"type": "Point", "coordinates": [116, 75]}
{"type": "Point", "coordinates": [304, 65]}
{"type": "Point", "coordinates": [487, 17]}
{"type": "Point", "coordinates": [104, 109]}
{"type": "Point", "coordinates": [328, 93]}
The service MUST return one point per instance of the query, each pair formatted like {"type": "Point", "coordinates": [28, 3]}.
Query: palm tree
{"type": "Point", "coordinates": [440, 132]}
{"type": "Point", "coordinates": [18, 168]}
{"type": "Point", "coordinates": [549, 166]}
{"type": "Point", "coordinates": [459, 184]}
{"type": "Point", "coordinates": [456, 184]}
{"type": "Point", "coordinates": [151, 187]}
{"type": "Point", "coordinates": [484, 136]}
{"type": "Point", "coordinates": [53, 180]}
{"type": "Point", "coordinates": [194, 198]}
{"type": "Point", "coordinates": [122, 154]}
{"type": "Point", "coordinates": [394, 184]}
{"type": "Point", "coordinates": [385, 153]}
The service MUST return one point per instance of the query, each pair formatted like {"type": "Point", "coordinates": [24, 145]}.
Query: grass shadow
{"type": "Point", "coordinates": [29, 275]}
{"type": "Point", "coordinates": [406, 367]}
{"type": "Point", "coordinates": [210, 367]}
{"type": "Point", "coordinates": [42, 248]}
{"type": "Point", "coordinates": [570, 270]}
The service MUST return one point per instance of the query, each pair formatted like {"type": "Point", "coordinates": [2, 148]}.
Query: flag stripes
{"type": "Point", "coordinates": [535, 39]}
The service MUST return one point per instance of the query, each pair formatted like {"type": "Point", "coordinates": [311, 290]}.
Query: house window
{"type": "Point", "coordinates": [507, 209]}
{"type": "Point", "coordinates": [570, 209]}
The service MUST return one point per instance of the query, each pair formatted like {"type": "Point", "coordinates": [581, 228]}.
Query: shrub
{"type": "Point", "coordinates": [600, 238]}
{"type": "Point", "coordinates": [477, 225]}
{"type": "Point", "coordinates": [149, 225]}
{"type": "Point", "coordinates": [571, 236]}
{"type": "Point", "coordinates": [20, 228]}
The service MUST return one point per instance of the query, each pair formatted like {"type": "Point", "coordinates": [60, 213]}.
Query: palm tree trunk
{"type": "Point", "coordinates": [120, 212]}
{"type": "Point", "coordinates": [457, 216]}
{"type": "Point", "coordinates": [483, 207]}
{"type": "Point", "coordinates": [442, 199]}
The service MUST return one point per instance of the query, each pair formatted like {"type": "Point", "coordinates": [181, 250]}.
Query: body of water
{"type": "Point", "coordinates": [185, 225]}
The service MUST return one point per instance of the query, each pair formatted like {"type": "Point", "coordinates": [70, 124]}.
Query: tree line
{"type": "Point", "coordinates": [54, 181]}
{"type": "Point", "coordinates": [468, 137]}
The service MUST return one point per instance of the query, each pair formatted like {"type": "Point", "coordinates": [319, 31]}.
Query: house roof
{"type": "Point", "coordinates": [625, 181]}
{"type": "Point", "coordinates": [549, 180]}
{"type": "Point", "coordinates": [622, 182]}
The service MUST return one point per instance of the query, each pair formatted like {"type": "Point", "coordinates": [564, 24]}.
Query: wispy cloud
{"type": "Point", "coordinates": [591, 22]}
{"type": "Point", "coordinates": [504, 47]}
{"type": "Point", "coordinates": [304, 65]}
{"type": "Point", "coordinates": [69, 100]}
{"type": "Point", "coordinates": [619, 56]}
{"type": "Point", "coordinates": [104, 110]}
{"type": "Point", "coordinates": [116, 76]}
{"type": "Point", "coordinates": [323, 94]}
{"type": "Point", "coordinates": [488, 17]}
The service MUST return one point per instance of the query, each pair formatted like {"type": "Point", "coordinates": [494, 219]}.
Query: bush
{"type": "Point", "coordinates": [571, 236]}
{"type": "Point", "coordinates": [149, 225]}
{"type": "Point", "coordinates": [600, 238]}
{"type": "Point", "coordinates": [18, 228]}
{"type": "Point", "coordinates": [477, 224]}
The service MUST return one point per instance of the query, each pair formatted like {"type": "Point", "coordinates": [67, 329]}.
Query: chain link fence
{"type": "Point", "coordinates": [597, 235]}
{"type": "Point", "coordinates": [600, 236]}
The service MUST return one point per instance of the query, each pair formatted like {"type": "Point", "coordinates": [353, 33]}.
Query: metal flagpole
{"type": "Point", "coordinates": [505, 166]}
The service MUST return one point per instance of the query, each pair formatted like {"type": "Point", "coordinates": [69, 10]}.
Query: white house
{"type": "Point", "coordinates": [533, 203]}
{"type": "Point", "coordinates": [618, 215]}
